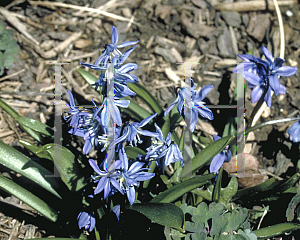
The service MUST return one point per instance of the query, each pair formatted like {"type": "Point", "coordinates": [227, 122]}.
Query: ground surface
{"type": "Point", "coordinates": [168, 32]}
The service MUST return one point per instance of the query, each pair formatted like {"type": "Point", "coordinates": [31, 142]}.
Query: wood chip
{"type": "Point", "coordinates": [17, 24]}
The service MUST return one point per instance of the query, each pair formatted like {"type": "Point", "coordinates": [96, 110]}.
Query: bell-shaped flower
{"type": "Point", "coordinates": [190, 99]}
{"type": "Point", "coordinates": [86, 220]}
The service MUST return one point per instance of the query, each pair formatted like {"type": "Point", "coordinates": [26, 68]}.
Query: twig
{"type": "Point", "coordinates": [14, 74]}
{"type": "Point", "coordinates": [59, 4]}
{"type": "Point", "coordinates": [17, 24]}
{"type": "Point", "coordinates": [252, 5]}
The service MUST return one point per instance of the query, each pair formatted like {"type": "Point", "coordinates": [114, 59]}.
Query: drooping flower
{"type": "Point", "coordinates": [86, 220]}
{"type": "Point", "coordinates": [113, 48]}
{"type": "Point", "coordinates": [131, 130]}
{"type": "Point", "coordinates": [133, 175]}
{"type": "Point", "coordinates": [163, 148]}
{"type": "Point", "coordinates": [218, 160]}
{"type": "Point", "coordinates": [117, 210]}
{"type": "Point", "coordinates": [108, 179]}
{"type": "Point", "coordinates": [190, 96]}
{"type": "Point", "coordinates": [294, 132]}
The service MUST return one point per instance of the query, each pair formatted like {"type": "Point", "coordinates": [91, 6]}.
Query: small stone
{"type": "Point", "coordinates": [232, 18]}
{"type": "Point", "coordinates": [224, 44]}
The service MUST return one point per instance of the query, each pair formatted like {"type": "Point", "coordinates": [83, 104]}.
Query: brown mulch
{"type": "Point", "coordinates": [168, 32]}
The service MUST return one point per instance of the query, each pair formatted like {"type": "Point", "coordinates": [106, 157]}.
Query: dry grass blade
{"type": "Point", "coordinates": [58, 4]}
{"type": "Point", "coordinates": [252, 5]}
{"type": "Point", "coordinates": [17, 24]}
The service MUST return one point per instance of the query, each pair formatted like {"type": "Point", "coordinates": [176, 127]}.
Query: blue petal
{"type": "Point", "coordinates": [217, 162]}
{"type": "Point", "coordinates": [117, 209]}
{"type": "Point", "coordinates": [171, 106]}
{"type": "Point", "coordinates": [114, 35]}
{"type": "Point", "coordinates": [252, 78]}
{"type": "Point", "coordinates": [135, 167]}
{"type": "Point", "coordinates": [100, 186]}
{"type": "Point", "coordinates": [146, 120]}
{"type": "Point", "coordinates": [126, 54]}
{"type": "Point", "coordinates": [274, 83]}
{"type": "Point", "coordinates": [203, 92]}
{"type": "Point", "coordinates": [128, 67]}
{"type": "Point", "coordinates": [268, 98]}
{"type": "Point", "coordinates": [256, 93]}
{"type": "Point", "coordinates": [95, 166]}
{"type": "Point", "coordinates": [127, 43]}
{"type": "Point", "coordinates": [92, 66]}
{"type": "Point", "coordinates": [294, 132]}
{"type": "Point", "coordinates": [286, 71]}
{"type": "Point", "coordinates": [267, 54]}
{"type": "Point", "coordinates": [107, 189]}
{"type": "Point", "coordinates": [131, 195]}
{"type": "Point", "coordinates": [204, 112]}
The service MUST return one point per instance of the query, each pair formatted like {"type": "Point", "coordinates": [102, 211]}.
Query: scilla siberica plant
{"type": "Point", "coordinates": [141, 167]}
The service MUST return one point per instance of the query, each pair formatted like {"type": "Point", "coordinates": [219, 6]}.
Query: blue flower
{"type": "Point", "coordinates": [270, 69]}
{"type": "Point", "coordinates": [111, 102]}
{"type": "Point", "coordinates": [86, 220]}
{"type": "Point", "coordinates": [131, 176]}
{"type": "Point", "coordinates": [164, 149]}
{"type": "Point", "coordinates": [113, 48]}
{"type": "Point", "coordinates": [197, 106]}
{"type": "Point", "coordinates": [121, 78]}
{"type": "Point", "coordinates": [276, 69]}
{"type": "Point", "coordinates": [107, 179]}
{"type": "Point", "coordinates": [294, 132]}
{"type": "Point", "coordinates": [131, 130]}
{"type": "Point", "coordinates": [218, 160]}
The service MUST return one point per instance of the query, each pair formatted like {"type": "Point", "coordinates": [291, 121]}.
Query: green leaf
{"type": "Point", "coordinates": [136, 110]}
{"type": "Point", "coordinates": [38, 151]}
{"type": "Point", "coordinates": [68, 167]}
{"type": "Point", "coordinates": [88, 77]}
{"type": "Point", "coordinates": [132, 152]}
{"type": "Point", "coordinates": [16, 161]}
{"type": "Point", "coordinates": [217, 187]}
{"type": "Point", "coordinates": [236, 218]}
{"type": "Point", "coordinates": [228, 192]}
{"type": "Point", "coordinates": [178, 190]}
{"type": "Point", "coordinates": [292, 206]}
{"type": "Point", "coordinates": [203, 157]}
{"type": "Point", "coordinates": [219, 224]}
{"type": "Point", "coordinates": [146, 96]}
{"type": "Point", "coordinates": [253, 190]}
{"type": "Point", "coordinates": [275, 230]}
{"type": "Point", "coordinates": [27, 197]}
{"type": "Point", "coordinates": [166, 214]}
{"type": "Point", "coordinates": [32, 127]}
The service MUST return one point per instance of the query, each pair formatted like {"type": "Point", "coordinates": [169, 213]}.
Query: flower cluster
{"type": "Point", "coordinates": [262, 73]}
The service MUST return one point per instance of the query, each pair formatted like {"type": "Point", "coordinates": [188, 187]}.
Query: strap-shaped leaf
{"type": "Point", "coordinates": [18, 162]}
{"type": "Point", "coordinates": [29, 198]}
{"type": "Point", "coordinates": [146, 96]}
{"type": "Point", "coordinates": [178, 190]}
{"type": "Point", "coordinates": [136, 110]}
{"type": "Point", "coordinates": [203, 157]}
{"type": "Point", "coordinates": [88, 77]}
{"type": "Point", "coordinates": [38, 151]}
{"type": "Point", "coordinates": [275, 230]}
{"type": "Point", "coordinates": [68, 167]}
{"type": "Point", "coordinates": [132, 152]}
{"type": "Point", "coordinates": [33, 127]}
{"type": "Point", "coordinates": [217, 187]}
{"type": "Point", "coordinates": [166, 214]}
